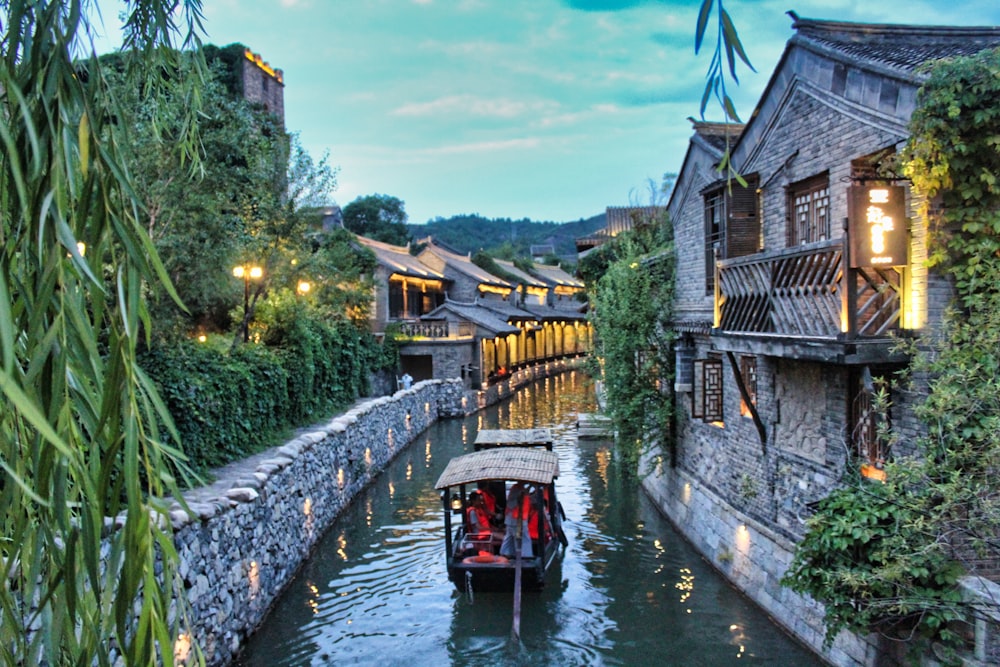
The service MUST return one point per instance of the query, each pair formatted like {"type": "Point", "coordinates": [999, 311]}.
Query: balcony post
{"type": "Point", "coordinates": [849, 290]}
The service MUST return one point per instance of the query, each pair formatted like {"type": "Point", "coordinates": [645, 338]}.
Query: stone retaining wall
{"type": "Point", "coordinates": [752, 556]}
{"type": "Point", "coordinates": [252, 529]}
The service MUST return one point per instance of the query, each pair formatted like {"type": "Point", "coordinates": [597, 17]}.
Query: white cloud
{"type": "Point", "coordinates": [470, 105]}
{"type": "Point", "coordinates": [527, 143]}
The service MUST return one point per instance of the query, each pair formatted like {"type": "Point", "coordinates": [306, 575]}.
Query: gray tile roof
{"type": "Point", "coordinates": [463, 264]}
{"type": "Point", "coordinates": [553, 275]}
{"type": "Point", "coordinates": [524, 278]}
{"type": "Point", "coordinates": [506, 310]}
{"type": "Point", "coordinates": [397, 259]}
{"type": "Point", "coordinates": [900, 47]}
{"type": "Point", "coordinates": [476, 314]}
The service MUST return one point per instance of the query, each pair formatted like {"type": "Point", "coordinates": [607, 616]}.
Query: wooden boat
{"type": "Point", "coordinates": [475, 561]}
{"type": "Point", "coordinates": [513, 437]}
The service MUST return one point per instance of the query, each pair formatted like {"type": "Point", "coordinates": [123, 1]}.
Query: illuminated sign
{"type": "Point", "coordinates": [877, 225]}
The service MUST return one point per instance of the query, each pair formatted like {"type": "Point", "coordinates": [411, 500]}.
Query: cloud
{"type": "Point", "coordinates": [609, 5]}
{"type": "Point", "coordinates": [470, 105]}
{"type": "Point", "coordinates": [526, 143]}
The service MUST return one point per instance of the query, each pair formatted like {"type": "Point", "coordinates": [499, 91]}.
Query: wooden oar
{"type": "Point", "coordinates": [515, 631]}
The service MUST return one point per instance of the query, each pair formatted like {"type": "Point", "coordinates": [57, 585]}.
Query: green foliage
{"type": "Point", "coordinates": [505, 238]}
{"type": "Point", "coordinates": [953, 158]}
{"type": "Point", "coordinates": [886, 557]}
{"type": "Point", "coordinates": [487, 263]}
{"type": "Point", "coordinates": [727, 43]}
{"type": "Point", "coordinates": [227, 406]}
{"type": "Point", "coordinates": [864, 560]}
{"type": "Point", "coordinates": [631, 313]}
{"type": "Point", "coordinates": [84, 436]}
{"type": "Point", "coordinates": [378, 217]}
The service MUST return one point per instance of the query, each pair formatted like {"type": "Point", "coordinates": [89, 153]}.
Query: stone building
{"type": "Point", "coordinates": [457, 320]}
{"type": "Point", "coordinates": [263, 84]}
{"type": "Point", "coordinates": [619, 219]}
{"type": "Point", "coordinates": [787, 297]}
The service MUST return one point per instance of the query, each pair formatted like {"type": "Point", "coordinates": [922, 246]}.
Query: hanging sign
{"type": "Point", "coordinates": [876, 217]}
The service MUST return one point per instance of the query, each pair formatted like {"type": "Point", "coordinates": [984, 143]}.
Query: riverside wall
{"type": "Point", "coordinates": [752, 556]}
{"type": "Point", "coordinates": [247, 534]}
{"type": "Point", "coordinates": [249, 531]}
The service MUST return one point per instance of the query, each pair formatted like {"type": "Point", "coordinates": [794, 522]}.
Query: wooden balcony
{"type": "Point", "coordinates": [804, 302]}
{"type": "Point", "coordinates": [437, 329]}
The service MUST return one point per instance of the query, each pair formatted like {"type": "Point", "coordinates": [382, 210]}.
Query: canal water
{"type": "Point", "coordinates": [628, 590]}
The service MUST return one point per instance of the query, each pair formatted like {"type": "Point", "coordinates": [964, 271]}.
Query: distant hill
{"type": "Point", "coordinates": [506, 238]}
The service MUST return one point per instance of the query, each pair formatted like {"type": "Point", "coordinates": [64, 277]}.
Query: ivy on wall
{"type": "Point", "coordinates": [229, 405]}
{"type": "Point", "coordinates": [631, 309]}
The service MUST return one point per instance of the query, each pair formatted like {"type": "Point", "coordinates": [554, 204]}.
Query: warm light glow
{"type": "Point", "coordinates": [259, 62]}
{"type": "Point", "coordinates": [743, 538]}
{"type": "Point", "coordinates": [303, 287]}
{"type": "Point", "coordinates": [81, 247]}
{"type": "Point", "coordinates": [492, 289]}
{"type": "Point", "coordinates": [307, 507]}
{"type": "Point", "coordinates": [253, 576]}
{"type": "Point", "coordinates": [182, 648]}
{"type": "Point", "coordinates": [202, 338]}
{"type": "Point", "coordinates": [871, 472]}
{"type": "Point", "coordinates": [340, 477]}
{"type": "Point", "coordinates": [686, 493]}
{"type": "Point", "coordinates": [248, 272]}
{"type": "Point", "coordinates": [368, 456]}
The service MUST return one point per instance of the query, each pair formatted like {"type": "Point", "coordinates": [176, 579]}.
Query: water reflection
{"type": "Point", "coordinates": [627, 591]}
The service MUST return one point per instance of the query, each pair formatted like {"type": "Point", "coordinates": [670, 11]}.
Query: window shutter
{"type": "Point", "coordinates": [743, 228]}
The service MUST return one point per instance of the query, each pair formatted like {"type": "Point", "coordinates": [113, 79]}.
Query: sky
{"type": "Point", "coordinates": [551, 110]}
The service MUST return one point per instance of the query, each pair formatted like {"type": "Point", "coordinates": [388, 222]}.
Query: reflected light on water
{"type": "Point", "coordinates": [409, 471]}
{"type": "Point", "coordinates": [342, 546]}
{"type": "Point", "coordinates": [427, 453]}
{"type": "Point", "coordinates": [685, 585]}
{"type": "Point", "coordinates": [392, 489]}
{"type": "Point", "coordinates": [369, 511]}
{"type": "Point", "coordinates": [603, 458]}
{"type": "Point", "coordinates": [313, 599]}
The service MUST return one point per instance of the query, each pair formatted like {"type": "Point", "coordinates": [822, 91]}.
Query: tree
{"type": "Point", "coordinates": [89, 570]}
{"type": "Point", "coordinates": [631, 312]}
{"type": "Point", "coordinates": [378, 217]}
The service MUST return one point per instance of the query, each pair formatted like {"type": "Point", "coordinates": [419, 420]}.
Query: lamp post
{"type": "Point", "coordinates": [247, 272]}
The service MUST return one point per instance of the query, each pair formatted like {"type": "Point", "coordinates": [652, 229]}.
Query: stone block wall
{"type": "Point", "coordinates": [748, 553]}
{"type": "Point", "coordinates": [246, 537]}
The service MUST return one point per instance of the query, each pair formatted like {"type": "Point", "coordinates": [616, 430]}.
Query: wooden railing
{"type": "Point", "coordinates": [806, 291]}
{"type": "Point", "coordinates": [437, 329]}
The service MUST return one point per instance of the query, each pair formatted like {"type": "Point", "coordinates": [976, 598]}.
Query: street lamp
{"type": "Point", "coordinates": [303, 287]}
{"type": "Point", "coordinates": [247, 272]}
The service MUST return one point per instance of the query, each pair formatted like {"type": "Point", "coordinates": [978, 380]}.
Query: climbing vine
{"type": "Point", "coordinates": [631, 309]}
{"type": "Point", "coordinates": [887, 557]}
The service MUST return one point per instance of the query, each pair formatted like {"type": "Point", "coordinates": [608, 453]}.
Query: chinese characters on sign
{"type": "Point", "coordinates": [877, 225]}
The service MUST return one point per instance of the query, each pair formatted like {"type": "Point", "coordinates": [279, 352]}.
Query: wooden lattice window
{"type": "Point", "coordinates": [706, 397]}
{"type": "Point", "coordinates": [809, 210]}
{"type": "Point", "coordinates": [866, 419]}
{"type": "Point", "coordinates": [732, 223]}
{"type": "Point", "coordinates": [715, 211]}
{"type": "Point", "coordinates": [748, 371]}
